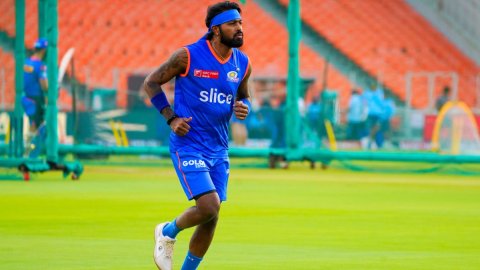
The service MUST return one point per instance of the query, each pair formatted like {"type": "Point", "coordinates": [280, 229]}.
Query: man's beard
{"type": "Point", "coordinates": [233, 42]}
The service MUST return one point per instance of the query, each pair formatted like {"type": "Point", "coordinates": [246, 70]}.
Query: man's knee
{"type": "Point", "coordinates": [209, 206]}
{"type": "Point", "coordinates": [210, 211]}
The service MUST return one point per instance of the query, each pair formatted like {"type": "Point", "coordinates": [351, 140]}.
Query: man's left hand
{"type": "Point", "coordinates": [240, 109]}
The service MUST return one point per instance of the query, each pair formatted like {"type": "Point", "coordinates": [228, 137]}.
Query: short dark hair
{"type": "Point", "coordinates": [446, 89]}
{"type": "Point", "coordinates": [216, 9]}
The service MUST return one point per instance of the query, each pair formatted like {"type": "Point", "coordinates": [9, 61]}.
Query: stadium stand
{"type": "Point", "coordinates": [390, 38]}
{"type": "Point", "coordinates": [386, 38]}
{"type": "Point", "coordinates": [458, 20]}
{"type": "Point", "coordinates": [141, 35]}
{"type": "Point", "coordinates": [7, 20]}
{"type": "Point", "coordinates": [6, 80]}
{"type": "Point", "coordinates": [7, 61]}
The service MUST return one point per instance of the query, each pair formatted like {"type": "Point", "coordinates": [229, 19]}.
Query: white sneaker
{"type": "Point", "coordinates": [163, 251]}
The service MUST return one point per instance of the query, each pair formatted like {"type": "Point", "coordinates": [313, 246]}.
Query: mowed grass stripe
{"type": "Point", "coordinates": [273, 219]}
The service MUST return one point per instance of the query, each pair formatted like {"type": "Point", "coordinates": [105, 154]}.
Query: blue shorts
{"type": "Point", "coordinates": [372, 121]}
{"type": "Point", "coordinates": [34, 109]}
{"type": "Point", "coordinates": [200, 174]}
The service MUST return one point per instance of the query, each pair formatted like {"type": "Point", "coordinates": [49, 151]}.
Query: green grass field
{"type": "Point", "coordinates": [274, 219]}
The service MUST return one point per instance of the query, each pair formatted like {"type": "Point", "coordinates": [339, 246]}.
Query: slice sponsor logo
{"type": "Point", "coordinates": [214, 96]}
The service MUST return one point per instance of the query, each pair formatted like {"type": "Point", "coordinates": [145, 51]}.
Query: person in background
{"type": "Point", "coordinates": [239, 131]}
{"type": "Point", "coordinates": [315, 117]}
{"type": "Point", "coordinates": [374, 98]}
{"type": "Point", "coordinates": [35, 86]}
{"type": "Point", "coordinates": [279, 137]}
{"type": "Point", "coordinates": [383, 137]}
{"type": "Point", "coordinates": [356, 116]}
{"type": "Point", "coordinates": [442, 99]}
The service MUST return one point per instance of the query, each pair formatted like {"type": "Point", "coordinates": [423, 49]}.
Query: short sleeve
{"type": "Point", "coordinates": [42, 73]}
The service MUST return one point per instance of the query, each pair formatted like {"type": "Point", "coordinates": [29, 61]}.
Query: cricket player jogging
{"type": "Point", "coordinates": [211, 78]}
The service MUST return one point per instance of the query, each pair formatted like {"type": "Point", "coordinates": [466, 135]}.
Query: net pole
{"type": "Point", "coordinates": [52, 60]}
{"type": "Point", "coordinates": [408, 105]}
{"type": "Point", "coordinates": [74, 100]}
{"type": "Point", "coordinates": [42, 12]}
{"type": "Point", "coordinates": [17, 138]}
{"type": "Point", "coordinates": [293, 81]}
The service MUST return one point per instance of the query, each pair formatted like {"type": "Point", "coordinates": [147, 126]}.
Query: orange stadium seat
{"type": "Point", "coordinates": [400, 36]}
{"type": "Point", "coordinates": [143, 34]}
{"type": "Point", "coordinates": [7, 19]}
{"type": "Point", "coordinates": [7, 80]}
{"type": "Point", "coordinates": [383, 37]}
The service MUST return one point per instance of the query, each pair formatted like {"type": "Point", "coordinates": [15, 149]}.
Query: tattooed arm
{"type": "Point", "coordinates": [176, 65]}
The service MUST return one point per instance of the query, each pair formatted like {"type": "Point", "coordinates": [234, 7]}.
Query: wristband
{"type": "Point", "coordinates": [247, 102]}
{"type": "Point", "coordinates": [160, 101]}
{"type": "Point", "coordinates": [170, 120]}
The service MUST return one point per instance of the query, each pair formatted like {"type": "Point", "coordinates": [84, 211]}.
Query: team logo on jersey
{"type": "Point", "coordinates": [232, 76]}
{"type": "Point", "coordinates": [209, 74]}
{"type": "Point", "coordinates": [28, 68]}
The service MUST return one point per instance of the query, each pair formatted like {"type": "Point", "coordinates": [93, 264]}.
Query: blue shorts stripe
{"type": "Point", "coordinates": [184, 178]}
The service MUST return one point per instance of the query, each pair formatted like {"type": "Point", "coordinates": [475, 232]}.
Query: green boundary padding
{"type": "Point", "coordinates": [8, 175]}
{"type": "Point", "coordinates": [409, 167]}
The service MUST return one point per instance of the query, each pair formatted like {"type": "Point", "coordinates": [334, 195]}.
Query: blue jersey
{"type": "Point", "coordinates": [206, 92]}
{"type": "Point", "coordinates": [34, 70]}
{"type": "Point", "coordinates": [357, 109]}
{"type": "Point", "coordinates": [374, 100]}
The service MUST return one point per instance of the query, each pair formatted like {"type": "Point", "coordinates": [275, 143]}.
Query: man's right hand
{"type": "Point", "coordinates": [180, 125]}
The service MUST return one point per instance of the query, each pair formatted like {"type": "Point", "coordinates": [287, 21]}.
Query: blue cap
{"type": "Point", "coordinates": [41, 43]}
